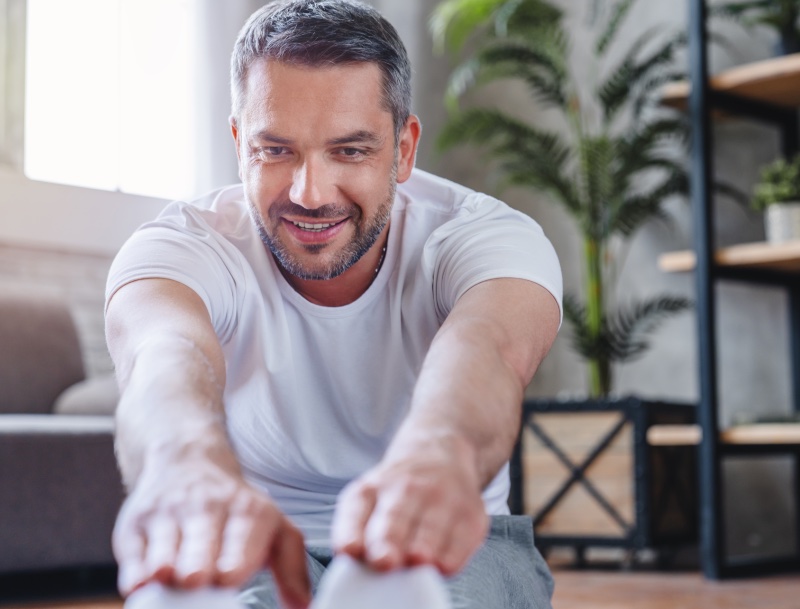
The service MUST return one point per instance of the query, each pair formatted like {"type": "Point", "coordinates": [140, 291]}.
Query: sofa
{"type": "Point", "coordinates": [60, 489]}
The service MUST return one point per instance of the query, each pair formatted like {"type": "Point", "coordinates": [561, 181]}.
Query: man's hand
{"type": "Point", "coordinates": [191, 520]}
{"type": "Point", "coordinates": [421, 505]}
{"type": "Point", "coordinates": [195, 522]}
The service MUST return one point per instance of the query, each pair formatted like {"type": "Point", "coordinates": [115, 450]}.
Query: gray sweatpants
{"type": "Point", "coordinates": [507, 572]}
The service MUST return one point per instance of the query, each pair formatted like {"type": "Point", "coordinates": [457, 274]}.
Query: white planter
{"type": "Point", "coordinates": [782, 222]}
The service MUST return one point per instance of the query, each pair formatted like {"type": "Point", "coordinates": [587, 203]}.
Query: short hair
{"type": "Point", "coordinates": [318, 33]}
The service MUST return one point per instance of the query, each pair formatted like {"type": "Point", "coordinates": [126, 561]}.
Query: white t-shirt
{"type": "Point", "coordinates": [314, 394]}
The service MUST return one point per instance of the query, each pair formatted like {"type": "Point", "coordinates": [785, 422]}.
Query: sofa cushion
{"type": "Point", "coordinates": [94, 396]}
{"type": "Point", "coordinates": [40, 354]}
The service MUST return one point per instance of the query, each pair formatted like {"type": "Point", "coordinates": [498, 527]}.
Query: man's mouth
{"type": "Point", "coordinates": [315, 227]}
{"type": "Point", "coordinates": [315, 231]}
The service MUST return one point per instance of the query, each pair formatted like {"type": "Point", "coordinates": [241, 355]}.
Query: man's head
{"type": "Point", "coordinates": [321, 94]}
{"type": "Point", "coordinates": [322, 33]}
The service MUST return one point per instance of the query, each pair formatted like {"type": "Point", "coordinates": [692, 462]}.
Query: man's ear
{"type": "Point", "coordinates": [407, 147]}
{"type": "Point", "coordinates": [235, 134]}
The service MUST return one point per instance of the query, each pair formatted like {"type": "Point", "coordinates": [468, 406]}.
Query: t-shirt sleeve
{"type": "Point", "coordinates": [180, 247]}
{"type": "Point", "coordinates": [490, 240]}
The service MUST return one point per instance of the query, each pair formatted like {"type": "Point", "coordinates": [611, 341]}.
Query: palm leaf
{"type": "Point", "coordinates": [629, 327]}
{"type": "Point", "coordinates": [630, 73]}
{"type": "Point", "coordinates": [522, 18]}
{"type": "Point", "coordinates": [649, 88]}
{"type": "Point", "coordinates": [635, 210]}
{"type": "Point", "coordinates": [544, 72]}
{"type": "Point", "coordinates": [620, 11]}
{"type": "Point", "coordinates": [623, 335]}
{"type": "Point", "coordinates": [453, 21]}
{"type": "Point", "coordinates": [527, 156]}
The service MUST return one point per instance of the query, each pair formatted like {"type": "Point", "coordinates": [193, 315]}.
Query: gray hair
{"type": "Point", "coordinates": [320, 33]}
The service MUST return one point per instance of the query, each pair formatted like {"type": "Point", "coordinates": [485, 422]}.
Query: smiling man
{"type": "Point", "coordinates": [330, 356]}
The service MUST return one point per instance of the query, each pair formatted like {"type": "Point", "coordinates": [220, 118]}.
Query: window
{"type": "Point", "coordinates": [109, 95]}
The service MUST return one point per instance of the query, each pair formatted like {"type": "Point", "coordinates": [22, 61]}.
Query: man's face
{"type": "Point", "coordinates": [319, 163]}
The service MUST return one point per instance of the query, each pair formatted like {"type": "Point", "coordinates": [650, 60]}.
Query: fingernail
{"type": "Point", "coordinates": [382, 555]}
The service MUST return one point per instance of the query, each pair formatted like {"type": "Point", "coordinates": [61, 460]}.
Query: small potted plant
{"type": "Point", "coordinates": [777, 194]}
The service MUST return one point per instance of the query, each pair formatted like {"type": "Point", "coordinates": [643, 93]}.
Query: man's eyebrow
{"type": "Point", "coordinates": [357, 137]}
{"type": "Point", "coordinates": [266, 136]}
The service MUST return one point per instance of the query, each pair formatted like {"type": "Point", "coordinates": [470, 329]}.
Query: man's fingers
{"type": "Point", "coordinates": [163, 539]}
{"type": "Point", "coordinates": [430, 538]}
{"type": "Point", "coordinates": [390, 529]}
{"type": "Point", "coordinates": [129, 549]}
{"type": "Point", "coordinates": [289, 568]}
{"type": "Point", "coordinates": [353, 511]}
{"type": "Point", "coordinates": [465, 538]}
{"type": "Point", "coordinates": [196, 562]}
{"type": "Point", "coordinates": [245, 546]}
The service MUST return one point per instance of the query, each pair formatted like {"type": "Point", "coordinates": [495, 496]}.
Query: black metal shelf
{"type": "Point", "coordinates": [705, 95]}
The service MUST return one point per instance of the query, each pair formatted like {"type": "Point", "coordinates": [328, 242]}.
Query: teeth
{"type": "Point", "coordinates": [312, 227]}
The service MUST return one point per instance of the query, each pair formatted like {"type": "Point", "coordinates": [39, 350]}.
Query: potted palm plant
{"type": "Point", "coordinates": [777, 194]}
{"type": "Point", "coordinates": [611, 167]}
{"type": "Point", "coordinates": [612, 162]}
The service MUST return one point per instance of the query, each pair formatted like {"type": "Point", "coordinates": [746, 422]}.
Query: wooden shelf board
{"type": "Point", "coordinates": [773, 256]}
{"type": "Point", "coordinates": [775, 81]}
{"type": "Point", "coordinates": [674, 435]}
{"type": "Point", "coordinates": [757, 433]}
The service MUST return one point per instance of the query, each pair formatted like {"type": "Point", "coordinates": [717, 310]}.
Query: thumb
{"type": "Point", "coordinates": [287, 560]}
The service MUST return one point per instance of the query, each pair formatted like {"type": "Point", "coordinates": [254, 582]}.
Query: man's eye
{"type": "Point", "coordinates": [352, 152]}
{"type": "Point", "coordinates": [270, 153]}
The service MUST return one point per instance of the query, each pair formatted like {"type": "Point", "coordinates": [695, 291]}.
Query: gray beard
{"type": "Point", "coordinates": [363, 240]}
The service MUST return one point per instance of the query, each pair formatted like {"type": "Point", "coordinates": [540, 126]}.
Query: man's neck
{"type": "Point", "coordinates": [347, 287]}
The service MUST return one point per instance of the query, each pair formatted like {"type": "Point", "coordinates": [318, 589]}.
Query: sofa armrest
{"type": "Point", "coordinates": [61, 491]}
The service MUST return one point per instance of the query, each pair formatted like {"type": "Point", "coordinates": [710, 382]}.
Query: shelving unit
{"type": "Point", "coordinates": [767, 91]}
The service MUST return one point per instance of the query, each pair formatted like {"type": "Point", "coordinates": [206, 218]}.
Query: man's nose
{"type": "Point", "coordinates": [312, 185]}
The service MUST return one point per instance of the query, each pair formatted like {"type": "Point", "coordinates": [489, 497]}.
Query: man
{"type": "Point", "coordinates": [319, 360]}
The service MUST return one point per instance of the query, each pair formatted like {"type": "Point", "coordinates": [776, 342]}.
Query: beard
{"type": "Point", "coordinates": [367, 231]}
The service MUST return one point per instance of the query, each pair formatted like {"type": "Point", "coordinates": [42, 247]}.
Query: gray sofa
{"type": "Point", "coordinates": [60, 489]}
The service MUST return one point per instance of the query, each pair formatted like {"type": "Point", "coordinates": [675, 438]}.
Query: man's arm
{"type": "Point", "coordinates": [422, 504]}
{"type": "Point", "coordinates": [190, 519]}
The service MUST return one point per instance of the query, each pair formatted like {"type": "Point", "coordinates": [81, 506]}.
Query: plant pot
{"type": "Point", "coordinates": [782, 222]}
{"type": "Point", "coordinates": [587, 475]}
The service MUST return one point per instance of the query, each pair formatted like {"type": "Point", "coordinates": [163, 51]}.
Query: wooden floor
{"type": "Point", "coordinates": [619, 590]}
{"type": "Point", "coordinates": [587, 589]}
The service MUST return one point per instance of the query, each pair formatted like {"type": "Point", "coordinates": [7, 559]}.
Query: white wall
{"type": "Point", "coordinates": [67, 217]}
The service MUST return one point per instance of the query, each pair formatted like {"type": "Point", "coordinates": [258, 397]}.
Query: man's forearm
{"type": "Point", "coordinates": [472, 382]}
{"type": "Point", "coordinates": [171, 404]}
{"type": "Point", "coordinates": [467, 398]}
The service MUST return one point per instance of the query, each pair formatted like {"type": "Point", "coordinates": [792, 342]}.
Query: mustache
{"type": "Point", "coordinates": [324, 212]}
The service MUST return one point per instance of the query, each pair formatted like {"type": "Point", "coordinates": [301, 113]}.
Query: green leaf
{"type": "Point", "coordinates": [623, 335]}
{"type": "Point", "coordinates": [528, 157]}
{"type": "Point", "coordinates": [620, 11]}
{"type": "Point", "coordinates": [615, 92]}
{"type": "Point", "coordinates": [522, 18]}
{"type": "Point", "coordinates": [453, 21]}
{"type": "Point", "coordinates": [629, 327]}
{"type": "Point", "coordinates": [635, 210]}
